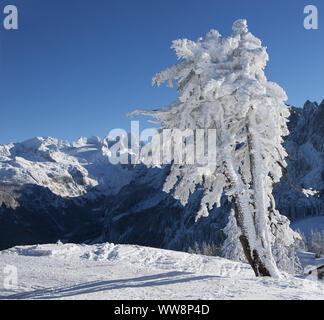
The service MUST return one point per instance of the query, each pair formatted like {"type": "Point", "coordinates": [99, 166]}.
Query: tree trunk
{"type": "Point", "coordinates": [253, 258]}
{"type": "Point", "coordinates": [261, 263]}
{"type": "Point", "coordinates": [259, 199]}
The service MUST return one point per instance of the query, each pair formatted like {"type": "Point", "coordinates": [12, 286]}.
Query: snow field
{"type": "Point", "coordinates": [114, 272]}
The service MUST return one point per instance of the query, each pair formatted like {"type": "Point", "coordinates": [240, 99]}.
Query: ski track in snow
{"type": "Point", "coordinates": [113, 272]}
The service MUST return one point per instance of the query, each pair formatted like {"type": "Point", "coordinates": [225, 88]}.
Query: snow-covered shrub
{"type": "Point", "coordinates": [206, 249]}
{"type": "Point", "coordinates": [301, 243]}
{"type": "Point", "coordinates": [316, 243]}
{"type": "Point", "coordinates": [286, 258]}
{"type": "Point", "coordinates": [195, 249]}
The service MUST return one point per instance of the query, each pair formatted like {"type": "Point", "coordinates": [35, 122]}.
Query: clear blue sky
{"type": "Point", "coordinates": [76, 67]}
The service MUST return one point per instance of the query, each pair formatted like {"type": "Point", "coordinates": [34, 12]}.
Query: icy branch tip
{"type": "Point", "coordinates": [240, 26]}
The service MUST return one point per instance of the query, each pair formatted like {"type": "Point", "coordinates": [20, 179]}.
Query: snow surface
{"type": "Point", "coordinates": [108, 271]}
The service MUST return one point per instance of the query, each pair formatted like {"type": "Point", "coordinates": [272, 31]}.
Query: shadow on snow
{"type": "Point", "coordinates": [162, 279]}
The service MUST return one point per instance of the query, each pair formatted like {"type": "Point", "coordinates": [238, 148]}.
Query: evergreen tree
{"type": "Point", "coordinates": [222, 85]}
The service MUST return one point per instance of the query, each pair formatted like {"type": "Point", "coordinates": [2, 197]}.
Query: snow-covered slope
{"type": "Point", "coordinates": [114, 272]}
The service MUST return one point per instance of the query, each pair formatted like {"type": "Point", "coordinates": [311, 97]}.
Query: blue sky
{"type": "Point", "coordinates": [76, 67]}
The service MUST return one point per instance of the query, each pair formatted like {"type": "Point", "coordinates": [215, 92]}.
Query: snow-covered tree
{"type": "Point", "coordinates": [222, 85]}
{"type": "Point", "coordinates": [316, 243]}
{"type": "Point", "coordinates": [206, 249]}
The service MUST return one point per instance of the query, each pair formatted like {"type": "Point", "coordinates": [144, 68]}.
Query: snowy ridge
{"type": "Point", "coordinates": [109, 271]}
{"type": "Point", "coordinates": [67, 169]}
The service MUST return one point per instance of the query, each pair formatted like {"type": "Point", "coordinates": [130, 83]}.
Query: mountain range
{"type": "Point", "coordinates": [54, 190]}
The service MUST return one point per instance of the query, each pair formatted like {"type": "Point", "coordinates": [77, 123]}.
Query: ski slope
{"type": "Point", "coordinates": [108, 271]}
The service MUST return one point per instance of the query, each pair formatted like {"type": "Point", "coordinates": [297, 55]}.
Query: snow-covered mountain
{"type": "Point", "coordinates": [67, 170]}
{"type": "Point", "coordinates": [130, 272]}
{"type": "Point", "coordinates": [305, 144]}
{"type": "Point", "coordinates": [51, 189]}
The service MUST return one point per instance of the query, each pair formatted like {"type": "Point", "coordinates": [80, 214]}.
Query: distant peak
{"type": "Point", "coordinates": [310, 106]}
